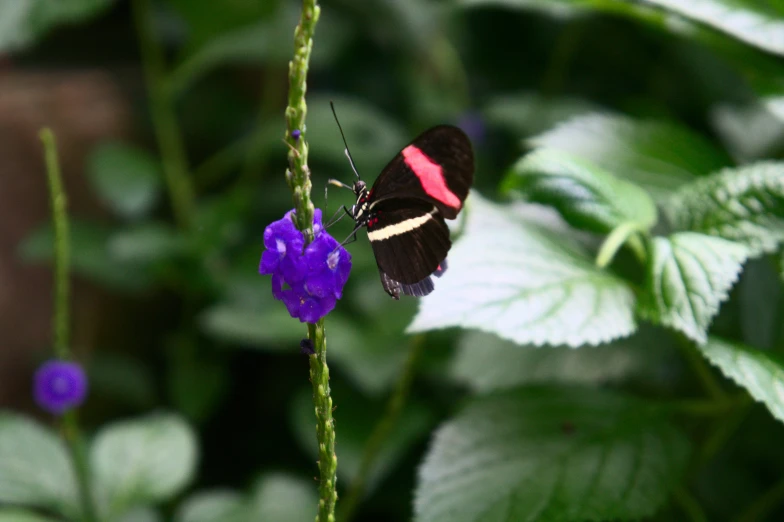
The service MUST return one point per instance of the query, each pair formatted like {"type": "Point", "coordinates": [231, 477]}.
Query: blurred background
{"type": "Point", "coordinates": [168, 310]}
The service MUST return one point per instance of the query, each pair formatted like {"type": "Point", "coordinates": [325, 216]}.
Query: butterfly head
{"type": "Point", "coordinates": [359, 188]}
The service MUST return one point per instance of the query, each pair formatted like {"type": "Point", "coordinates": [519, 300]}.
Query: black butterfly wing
{"type": "Point", "coordinates": [410, 240]}
{"type": "Point", "coordinates": [438, 166]}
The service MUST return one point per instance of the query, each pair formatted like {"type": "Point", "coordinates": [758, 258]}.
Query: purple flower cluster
{"type": "Point", "coordinates": [308, 279]}
{"type": "Point", "coordinates": [59, 386]}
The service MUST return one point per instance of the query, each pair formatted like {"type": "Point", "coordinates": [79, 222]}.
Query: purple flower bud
{"type": "Point", "coordinates": [295, 134]}
{"type": "Point", "coordinates": [59, 386]}
{"type": "Point", "coordinates": [306, 347]}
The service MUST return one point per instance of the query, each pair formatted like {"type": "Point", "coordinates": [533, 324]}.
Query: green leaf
{"type": "Point", "coordinates": [22, 22]}
{"type": "Point", "coordinates": [272, 328]}
{"type": "Point", "coordinates": [525, 285]}
{"type": "Point", "coordinates": [35, 467]}
{"type": "Point", "coordinates": [211, 506]}
{"type": "Point", "coordinates": [585, 195]}
{"type": "Point", "coordinates": [142, 461]}
{"type": "Point", "coordinates": [267, 41]}
{"type": "Point", "coordinates": [744, 204]}
{"type": "Point", "coordinates": [750, 131]}
{"type": "Point", "coordinates": [380, 136]}
{"type": "Point", "coordinates": [356, 417]}
{"type": "Point", "coordinates": [146, 243]}
{"type": "Point", "coordinates": [529, 113]}
{"type": "Point", "coordinates": [141, 514]}
{"type": "Point", "coordinates": [487, 363]}
{"type": "Point", "coordinates": [90, 256]}
{"type": "Point", "coordinates": [657, 156]}
{"type": "Point", "coordinates": [760, 373]}
{"type": "Point", "coordinates": [372, 366]}
{"type": "Point", "coordinates": [689, 275]}
{"type": "Point", "coordinates": [550, 455]}
{"type": "Point", "coordinates": [753, 22]}
{"type": "Point", "coordinates": [281, 497]}
{"type": "Point", "coordinates": [19, 515]}
{"type": "Point", "coordinates": [126, 178]}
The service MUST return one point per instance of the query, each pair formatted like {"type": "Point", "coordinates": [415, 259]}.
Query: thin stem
{"type": "Point", "coordinates": [73, 436]}
{"type": "Point", "coordinates": [61, 244]}
{"type": "Point", "coordinates": [764, 505]}
{"type": "Point", "coordinates": [621, 234]}
{"type": "Point", "coordinates": [704, 373]}
{"type": "Point", "coordinates": [382, 430]}
{"type": "Point", "coordinates": [167, 130]}
{"type": "Point", "coordinates": [298, 179]}
{"type": "Point", "coordinates": [689, 505]}
{"type": "Point", "coordinates": [61, 313]}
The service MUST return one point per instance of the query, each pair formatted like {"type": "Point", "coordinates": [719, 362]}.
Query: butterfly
{"type": "Point", "coordinates": [404, 211]}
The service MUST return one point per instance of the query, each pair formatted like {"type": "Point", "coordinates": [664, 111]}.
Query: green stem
{"type": "Point", "coordinates": [298, 179]}
{"type": "Point", "coordinates": [298, 173]}
{"type": "Point", "coordinates": [689, 505]}
{"type": "Point", "coordinates": [325, 426]}
{"type": "Point", "coordinates": [76, 445]}
{"type": "Point", "coordinates": [621, 234]}
{"type": "Point", "coordinates": [382, 430]}
{"type": "Point", "coordinates": [167, 130]}
{"type": "Point", "coordinates": [61, 315]}
{"type": "Point", "coordinates": [704, 373]}
{"type": "Point", "coordinates": [61, 244]}
{"type": "Point", "coordinates": [764, 505]}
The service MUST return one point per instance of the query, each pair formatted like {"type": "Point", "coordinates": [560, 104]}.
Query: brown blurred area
{"type": "Point", "coordinates": [82, 108]}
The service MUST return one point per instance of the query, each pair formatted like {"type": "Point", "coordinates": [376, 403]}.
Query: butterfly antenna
{"type": "Point", "coordinates": [348, 153]}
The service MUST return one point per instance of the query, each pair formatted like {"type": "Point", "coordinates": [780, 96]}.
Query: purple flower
{"type": "Point", "coordinates": [295, 134]}
{"type": "Point", "coordinates": [59, 386]}
{"type": "Point", "coordinates": [328, 266]}
{"type": "Point", "coordinates": [308, 280]}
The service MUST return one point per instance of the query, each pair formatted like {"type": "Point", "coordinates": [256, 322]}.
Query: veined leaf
{"type": "Point", "coordinates": [657, 156]}
{"type": "Point", "coordinates": [510, 278]}
{"type": "Point", "coordinates": [585, 195]}
{"type": "Point", "coordinates": [689, 276]}
{"type": "Point", "coordinates": [745, 204]}
{"type": "Point", "coordinates": [751, 22]}
{"type": "Point", "coordinates": [550, 455]}
{"type": "Point", "coordinates": [142, 461]}
{"type": "Point", "coordinates": [761, 373]}
{"type": "Point", "coordinates": [35, 468]}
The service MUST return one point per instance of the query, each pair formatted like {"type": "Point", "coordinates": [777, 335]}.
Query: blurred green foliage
{"type": "Point", "coordinates": [648, 133]}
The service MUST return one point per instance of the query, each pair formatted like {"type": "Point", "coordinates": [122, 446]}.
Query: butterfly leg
{"type": "Point", "coordinates": [335, 218]}
{"type": "Point", "coordinates": [336, 183]}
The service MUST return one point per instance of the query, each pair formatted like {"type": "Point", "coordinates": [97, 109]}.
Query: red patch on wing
{"type": "Point", "coordinates": [430, 175]}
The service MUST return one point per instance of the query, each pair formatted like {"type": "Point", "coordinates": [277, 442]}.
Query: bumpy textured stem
{"type": "Point", "coordinates": [61, 316]}
{"type": "Point", "coordinates": [167, 131]}
{"type": "Point", "coordinates": [298, 178]}
{"type": "Point", "coordinates": [298, 174]}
